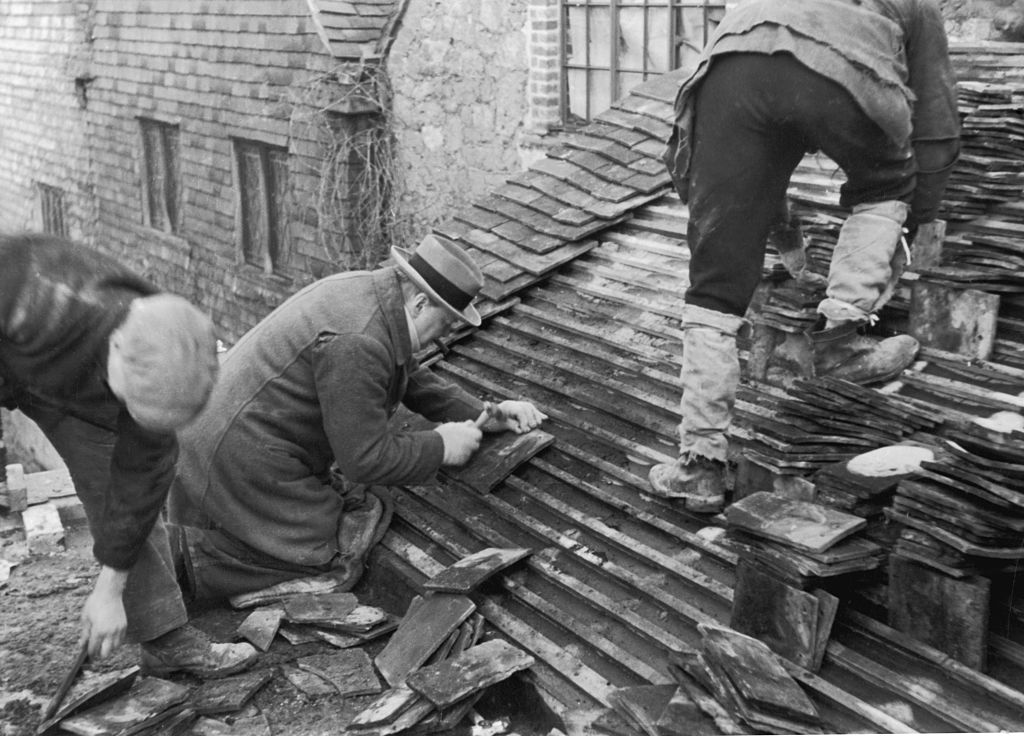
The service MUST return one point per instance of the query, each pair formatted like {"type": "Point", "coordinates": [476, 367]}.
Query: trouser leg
{"type": "Point", "coordinates": [217, 566]}
{"type": "Point", "coordinates": [152, 600]}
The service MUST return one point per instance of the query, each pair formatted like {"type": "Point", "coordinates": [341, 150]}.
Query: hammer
{"type": "Point", "coordinates": [491, 411]}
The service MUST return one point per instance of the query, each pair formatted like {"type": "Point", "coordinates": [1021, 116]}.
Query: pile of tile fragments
{"type": "Point", "coordinates": [427, 677]}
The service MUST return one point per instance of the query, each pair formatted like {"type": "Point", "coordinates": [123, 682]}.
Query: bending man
{"type": "Point", "coordinates": [868, 83]}
{"type": "Point", "coordinates": [109, 368]}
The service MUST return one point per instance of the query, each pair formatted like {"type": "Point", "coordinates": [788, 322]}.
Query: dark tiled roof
{"type": "Point", "coordinates": [545, 217]}
{"type": "Point", "coordinates": [352, 30]}
{"type": "Point", "coordinates": [618, 577]}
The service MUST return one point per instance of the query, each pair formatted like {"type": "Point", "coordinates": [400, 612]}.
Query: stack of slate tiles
{"type": "Point", "coordinates": [991, 164]}
{"type": "Point", "coordinates": [816, 422]}
{"type": "Point", "coordinates": [965, 515]}
{"type": "Point", "coordinates": [801, 542]}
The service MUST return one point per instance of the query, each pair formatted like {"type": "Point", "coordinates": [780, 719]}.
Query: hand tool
{"type": "Point", "coordinates": [62, 691]}
{"type": "Point", "coordinates": [491, 411]}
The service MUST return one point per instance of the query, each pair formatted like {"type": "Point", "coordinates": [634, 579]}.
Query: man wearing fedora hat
{"type": "Point", "coordinates": [276, 478]}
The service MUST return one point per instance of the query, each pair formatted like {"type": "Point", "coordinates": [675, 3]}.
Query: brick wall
{"type": "Point", "coordinates": [42, 130]}
{"type": "Point", "coordinates": [217, 70]}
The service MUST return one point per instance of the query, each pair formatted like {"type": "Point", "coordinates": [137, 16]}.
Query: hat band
{"type": "Point", "coordinates": [444, 288]}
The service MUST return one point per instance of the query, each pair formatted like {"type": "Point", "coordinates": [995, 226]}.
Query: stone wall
{"type": "Point", "coordinates": [459, 69]}
{"type": "Point", "coordinates": [42, 125]}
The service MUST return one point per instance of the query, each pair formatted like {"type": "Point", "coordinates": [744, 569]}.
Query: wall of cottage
{"type": "Point", "coordinates": [42, 126]}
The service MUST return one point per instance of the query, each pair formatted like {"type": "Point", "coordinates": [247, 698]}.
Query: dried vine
{"type": "Point", "coordinates": [347, 113]}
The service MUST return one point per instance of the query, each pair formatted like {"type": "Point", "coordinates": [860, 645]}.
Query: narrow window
{"type": "Point", "coordinates": [611, 46]}
{"type": "Point", "coordinates": [161, 176]}
{"type": "Point", "coordinates": [51, 202]}
{"type": "Point", "coordinates": [262, 176]}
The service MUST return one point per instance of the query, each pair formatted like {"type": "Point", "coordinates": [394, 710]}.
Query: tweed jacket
{"type": "Point", "coordinates": [59, 303]}
{"type": "Point", "coordinates": [314, 384]}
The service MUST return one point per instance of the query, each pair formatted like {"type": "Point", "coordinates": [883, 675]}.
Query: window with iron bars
{"type": "Point", "coordinates": [161, 175]}
{"type": "Point", "coordinates": [51, 205]}
{"type": "Point", "coordinates": [262, 179]}
{"type": "Point", "coordinates": [611, 46]}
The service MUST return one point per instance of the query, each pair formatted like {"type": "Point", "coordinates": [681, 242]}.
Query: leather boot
{"type": "Point", "coordinates": [842, 352]}
{"type": "Point", "coordinates": [709, 376]}
{"type": "Point", "coordinates": [699, 483]}
{"type": "Point", "coordinates": [187, 649]}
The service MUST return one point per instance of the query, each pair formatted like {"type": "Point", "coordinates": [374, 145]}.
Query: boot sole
{"type": "Point", "coordinates": [164, 670]}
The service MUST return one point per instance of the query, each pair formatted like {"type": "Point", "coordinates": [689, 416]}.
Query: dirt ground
{"type": "Point", "coordinates": [39, 609]}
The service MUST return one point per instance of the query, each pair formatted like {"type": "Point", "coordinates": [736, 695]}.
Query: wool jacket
{"type": "Point", "coordinates": [890, 55]}
{"type": "Point", "coordinates": [59, 303]}
{"type": "Point", "coordinates": [315, 383]}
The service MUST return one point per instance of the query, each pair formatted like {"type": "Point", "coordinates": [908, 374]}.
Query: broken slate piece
{"type": "Point", "coordinates": [499, 455]}
{"type": "Point", "coordinates": [781, 615]}
{"type": "Point", "coordinates": [298, 635]}
{"type": "Point", "coordinates": [43, 529]}
{"type": "Point", "coordinates": [476, 668]}
{"type": "Point", "coordinates": [344, 640]}
{"type": "Point", "coordinates": [314, 608]}
{"type": "Point", "coordinates": [317, 585]}
{"type": "Point", "coordinates": [801, 524]}
{"type": "Point", "coordinates": [229, 694]}
{"type": "Point", "coordinates": [308, 682]}
{"type": "Point", "coordinates": [260, 627]}
{"type": "Point", "coordinates": [88, 691]}
{"type": "Point", "coordinates": [175, 722]}
{"type": "Point", "coordinates": [149, 701]}
{"type": "Point", "coordinates": [466, 574]}
{"type": "Point", "coordinates": [250, 722]}
{"type": "Point", "coordinates": [642, 705]}
{"type": "Point", "coordinates": [425, 627]}
{"type": "Point", "coordinates": [386, 708]}
{"type": "Point", "coordinates": [350, 671]}
{"type": "Point", "coordinates": [759, 678]}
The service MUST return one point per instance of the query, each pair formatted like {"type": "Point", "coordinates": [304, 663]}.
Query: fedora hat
{"type": "Point", "coordinates": [444, 272]}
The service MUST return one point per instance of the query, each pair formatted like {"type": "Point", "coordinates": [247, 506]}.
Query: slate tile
{"type": "Point", "coordinates": [499, 455]}
{"type": "Point", "coordinates": [385, 709]}
{"type": "Point", "coordinates": [478, 667]}
{"type": "Point", "coordinates": [314, 608]}
{"type": "Point", "coordinates": [800, 524]}
{"type": "Point", "coordinates": [480, 218]}
{"type": "Point", "coordinates": [350, 671]}
{"type": "Point", "coordinates": [309, 683]}
{"type": "Point", "coordinates": [425, 627]}
{"type": "Point", "coordinates": [229, 694]}
{"type": "Point", "coordinates": [260, 627]}
{"type": "Point", "coordinates": [468, 573]}
{"type": "Point", "coordinates": [149, 701]}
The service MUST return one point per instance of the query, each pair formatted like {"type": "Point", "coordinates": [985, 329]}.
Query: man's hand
{"type": "Point", "coordinates": [519, 417]}
{"type": "Point", "coordinates": [461, 440]}
{"type": "Point", "coordinates": [104, 622]}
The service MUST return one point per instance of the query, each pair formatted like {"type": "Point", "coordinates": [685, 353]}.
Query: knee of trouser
{"type": "Point", "coordinates": [890, 209]}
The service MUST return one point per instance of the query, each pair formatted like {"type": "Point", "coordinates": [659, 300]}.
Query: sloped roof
{"type": "Point", "coordinates": [353, 29]}
{"type": "Point", "coordinates": [618, 577]}
{"type": "Point", "coordinates": [545, 217]}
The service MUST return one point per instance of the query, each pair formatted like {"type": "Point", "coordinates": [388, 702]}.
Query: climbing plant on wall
{"type": "Point", "coordinates": [346, 114]}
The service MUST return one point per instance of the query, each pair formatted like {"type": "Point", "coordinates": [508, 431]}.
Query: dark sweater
{"type": "Point", "coordinates": [59, 303]}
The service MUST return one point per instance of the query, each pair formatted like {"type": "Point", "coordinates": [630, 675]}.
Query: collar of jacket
{"type": "Point", "coordinates": [392, 306]}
